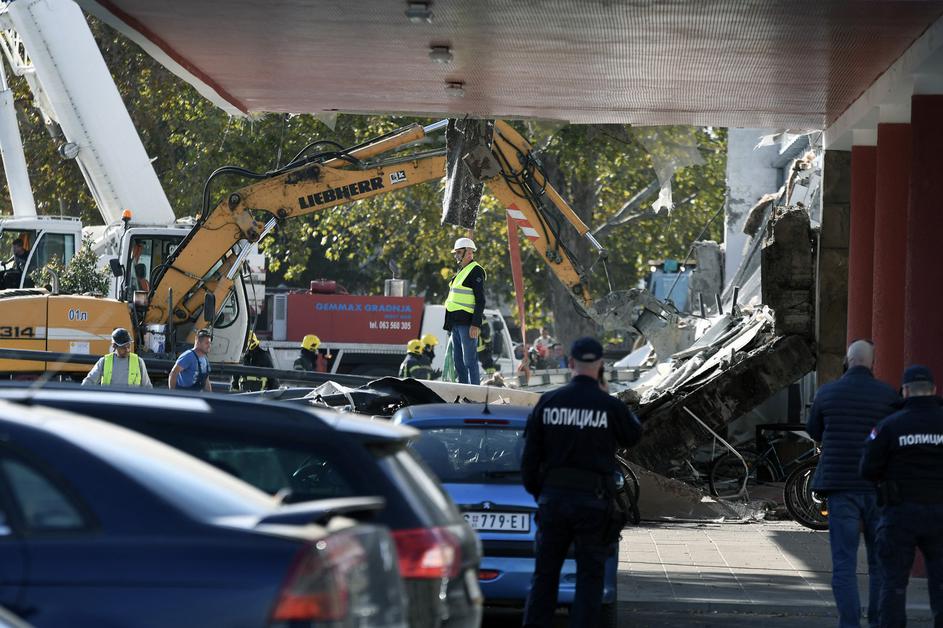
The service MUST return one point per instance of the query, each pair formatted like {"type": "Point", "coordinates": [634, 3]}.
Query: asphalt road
{"type": "Point", "coordinates": [634, 618]}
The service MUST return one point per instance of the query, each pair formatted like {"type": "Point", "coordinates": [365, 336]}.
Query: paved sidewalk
{"type": "Point", "coordinates": [756, 567]}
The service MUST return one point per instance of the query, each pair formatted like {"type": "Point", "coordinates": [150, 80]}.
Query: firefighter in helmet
{"type": "Point", "coordinates": [485, 348]}
{"type": "Point", "coordinates": [429, 342]}
{"type": "Point", "coordinates": [414, 365]}
{"type": "Point", "coordinates": [255, 355]}
{"type": "Point", "coordinates": [308, 359]}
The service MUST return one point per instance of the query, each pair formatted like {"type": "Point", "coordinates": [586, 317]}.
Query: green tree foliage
{"type": "Point", "coordinates": [598, 168]}
{"type": "Point", "coordinates": [81, 275]}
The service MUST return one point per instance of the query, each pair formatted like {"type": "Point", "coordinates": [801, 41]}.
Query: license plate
{"type": "Point", "coordinates": [499, 521]}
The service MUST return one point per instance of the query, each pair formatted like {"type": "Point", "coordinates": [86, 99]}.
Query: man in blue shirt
{"type": "Point", "coordinates": [192, 370]}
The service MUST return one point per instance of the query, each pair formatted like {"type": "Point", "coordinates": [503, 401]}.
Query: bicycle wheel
{"type": "Point", "coordinates": [632, 489]}
{"type": "Point", "coordinates": [725, 476]}
{"type": "Point", "coordinates": [805, 507]}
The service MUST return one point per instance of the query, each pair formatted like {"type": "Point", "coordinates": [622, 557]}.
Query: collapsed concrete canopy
{"type": "Point", "coordinates": [742, 359]}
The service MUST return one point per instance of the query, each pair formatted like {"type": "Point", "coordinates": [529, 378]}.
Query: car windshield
{"type": "Point", "coordinates": [473, 454]}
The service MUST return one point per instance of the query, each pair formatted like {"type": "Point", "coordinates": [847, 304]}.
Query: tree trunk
{"type": "Point", "coordinates": [569, 323]}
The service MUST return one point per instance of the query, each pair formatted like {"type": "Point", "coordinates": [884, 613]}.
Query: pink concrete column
{"type": "Point", "coordinates": [861, 241]}
{"type": "Point", "coordinates": [892, 188]}
{"type": "Point", "coordinates": [923, 325]}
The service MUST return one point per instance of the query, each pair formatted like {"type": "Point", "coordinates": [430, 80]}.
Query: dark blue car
{"type": "Point", "coordinates": [477, 455]}
{"type": "Point", "coordinates": [300, 453]}
{"type": "Point", "coordinates": [101, 526]}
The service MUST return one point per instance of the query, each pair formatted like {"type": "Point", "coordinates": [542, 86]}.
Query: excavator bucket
{"type": "Point", "coordinates": [466, 140]}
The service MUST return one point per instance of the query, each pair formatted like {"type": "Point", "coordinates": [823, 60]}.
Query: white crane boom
{"type": "Point", "coordinates": [73, 87]}
{"type": "Point", "coordinates": [14, 160]}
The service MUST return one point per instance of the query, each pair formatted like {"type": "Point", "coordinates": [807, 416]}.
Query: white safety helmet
{"type": "Point", "coordinates": [464, 243]}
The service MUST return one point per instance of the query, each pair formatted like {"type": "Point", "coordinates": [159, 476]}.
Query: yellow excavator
{"type": "Point", "coordinates": [208, 259]}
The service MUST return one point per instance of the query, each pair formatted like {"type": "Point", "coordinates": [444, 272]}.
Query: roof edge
{"type": "Point", "coordinates": [164, 54]}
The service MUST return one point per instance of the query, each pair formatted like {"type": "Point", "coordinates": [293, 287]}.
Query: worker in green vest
{"type": "Point", "coordinates": [464, 310]}
{"type": "Point", "coordinates": [120, 368]}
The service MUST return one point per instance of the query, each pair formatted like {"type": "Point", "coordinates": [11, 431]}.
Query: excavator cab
{"type": "Point", "coordinates": [146, 253]}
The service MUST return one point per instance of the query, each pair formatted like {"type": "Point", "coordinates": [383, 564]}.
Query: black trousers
{"type": "Point", "coordinates": [901, 529]}
{"type": "Point", "coordinates": [565, 518]}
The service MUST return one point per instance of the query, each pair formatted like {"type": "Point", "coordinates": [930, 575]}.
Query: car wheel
{"type": "Point", "coordinates": [424, 605]}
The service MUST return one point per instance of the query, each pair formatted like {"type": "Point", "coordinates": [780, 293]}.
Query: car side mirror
{"type": "Point", "coordinates": [116, 268]}
{"type": "Point", "coordinates": [209, 308]}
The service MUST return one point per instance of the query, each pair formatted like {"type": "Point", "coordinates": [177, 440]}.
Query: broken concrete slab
{"type": "Point", "coordinates": [664, 499]}
{"type": "Point", "coordinates": [670, 433]}
{"type": "Point", "coordinates": [707, 278]}
{"type": "Point", "coordinates": [743, 359]}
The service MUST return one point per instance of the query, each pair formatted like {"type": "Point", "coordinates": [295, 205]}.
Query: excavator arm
{"type": "Point", "coordinates": [240, 219]}
{"type": "Point", "coordinates": [208, 258]}
{"type": "Point", "coordinates": [513, 174]}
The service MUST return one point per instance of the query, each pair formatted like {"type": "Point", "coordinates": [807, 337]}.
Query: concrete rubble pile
{"type": "Point", "coordinates": [740, 359]}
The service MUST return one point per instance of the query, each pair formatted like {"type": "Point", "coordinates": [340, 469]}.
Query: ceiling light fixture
{"type": "Point", "coordinates": [455, 89]}
{"type": "Point", "coordinates": [69, 150]}
{"type": "Point", "coordinates": [419, 12]}
{"type": "Point", "coordinates": [440, 54]}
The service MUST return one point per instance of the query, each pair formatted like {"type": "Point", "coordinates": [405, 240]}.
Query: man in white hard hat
{"type": "Point", "coordinates": [464, 309]}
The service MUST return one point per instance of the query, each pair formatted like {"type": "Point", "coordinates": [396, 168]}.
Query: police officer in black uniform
{"type": "Point", "coordinates": [904, 454]}
{"type": "Point", "coordinates": [569, 466]}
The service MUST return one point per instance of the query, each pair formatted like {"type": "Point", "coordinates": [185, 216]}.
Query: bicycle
{"type": "Point", "coordinates": [726, 474]}
{"type": "Point", "coordinates": [632, 489]}
{"type": "Point", "coordinates": [805, 506]}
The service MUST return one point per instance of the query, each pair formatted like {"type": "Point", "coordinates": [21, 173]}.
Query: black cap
{"type": "Point", "coordinates": [586, 349]}
{"type": "Point", "coordinates": [917, 373]}
{"type": "Point", "coordinates": [120, 337]}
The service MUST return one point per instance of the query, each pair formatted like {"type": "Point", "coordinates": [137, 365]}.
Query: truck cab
{"type": "Point", "coordinates": [502, 348]}
{"type": "Point", "coordinates": [44, 238]}
{"type": "Point", "coordinates": [365, 335]}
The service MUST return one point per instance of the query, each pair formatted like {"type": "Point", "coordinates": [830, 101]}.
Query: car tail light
{"type": "Point", "coordinates": [488, 574]}
{"type": "Point", "coordinates": [429, 553]}
{"type": "Point", "coordinates": [318, 584]}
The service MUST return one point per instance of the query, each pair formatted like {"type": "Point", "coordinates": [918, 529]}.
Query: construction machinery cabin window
{"type": "Point", "coordinates": [229, 312]}
{"type": "Point", "coordinates": [12, 273]}
{"type": "Point", "coordinates": [147, 254]}
{"type": "Point", "coordinates": [50, 246]}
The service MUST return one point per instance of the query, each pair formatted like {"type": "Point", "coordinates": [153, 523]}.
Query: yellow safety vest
{"type": "Point", "coordinates": [460, 297]}
{"type": "Point", "coordinates": [134, 369]}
